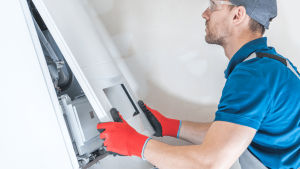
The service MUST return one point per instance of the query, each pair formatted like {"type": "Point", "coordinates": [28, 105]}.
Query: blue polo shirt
{"type": "Point", "coordinates": [263, 94]}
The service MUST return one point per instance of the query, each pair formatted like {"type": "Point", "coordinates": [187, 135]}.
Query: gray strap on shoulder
{"type": "Point", "coordinates": [253, 55]}
{"type": "Point", "coordinates": [291, 68]}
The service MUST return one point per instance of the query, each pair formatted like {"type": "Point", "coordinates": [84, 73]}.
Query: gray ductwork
{"type": "Point", "coordinates": [54, 58]}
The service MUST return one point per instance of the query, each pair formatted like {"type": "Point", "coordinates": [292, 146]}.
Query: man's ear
{"type": "Point", "coordinates": [238, 15]}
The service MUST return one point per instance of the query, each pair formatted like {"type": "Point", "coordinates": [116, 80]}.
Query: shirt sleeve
{"type": "Point", "coordinates": [245, 100]}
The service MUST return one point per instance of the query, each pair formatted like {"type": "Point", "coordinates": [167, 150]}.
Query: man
{"type": "Point", "coordinates": [258, 118]}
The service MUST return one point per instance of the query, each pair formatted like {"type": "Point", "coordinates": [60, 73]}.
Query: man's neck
{"type": "Point", "coordinates": [236, 43]}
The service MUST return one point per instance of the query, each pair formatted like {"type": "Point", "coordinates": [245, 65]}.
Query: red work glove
{"type": "Point", "coordinates": [163, 126]}
{"type": "Point", "coordinates": [120, 138]}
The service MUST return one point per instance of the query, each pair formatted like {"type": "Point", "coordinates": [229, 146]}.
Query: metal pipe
{"type": "Point", "coordinates": [45, 42]}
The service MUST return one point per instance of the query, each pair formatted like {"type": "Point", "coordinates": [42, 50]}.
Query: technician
{"type": "Point", "coordinates": [258, 118]}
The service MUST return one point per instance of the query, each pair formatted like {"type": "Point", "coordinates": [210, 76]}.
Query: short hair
{"type": "Point", "coordinates": [256, 26]}
{"type": "Point", "coordinates": [253, 24]}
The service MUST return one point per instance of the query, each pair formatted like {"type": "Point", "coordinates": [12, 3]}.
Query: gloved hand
{"type": "Point", "coordinates": [120, 138]}
{"type": "Point", "coordinates": [163, 126]}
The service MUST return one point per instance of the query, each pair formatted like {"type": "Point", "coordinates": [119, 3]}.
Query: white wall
{"type": "Point", "coordinates": [159, 45]}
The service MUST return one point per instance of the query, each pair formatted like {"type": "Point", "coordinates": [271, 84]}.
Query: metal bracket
{"type": "Point", "coordinates": [95, 161]}
{"type": "Point", "coordinates": [65, 99]}
{"type": "Point", "coordinates": [59, 64]}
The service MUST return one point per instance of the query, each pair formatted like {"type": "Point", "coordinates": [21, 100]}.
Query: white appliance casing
{"type": "Point", "coordinates": [42, 133]}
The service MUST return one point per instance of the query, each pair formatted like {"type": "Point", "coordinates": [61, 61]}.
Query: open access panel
{"type": "Point", "coordinates": [85, 79]}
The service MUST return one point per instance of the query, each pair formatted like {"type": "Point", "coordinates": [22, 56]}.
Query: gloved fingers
{"type": "Point", "coordinates": [158, 134]}
{"type": "Point", "coordinates": [145, 108]}
{"type": "Point", "coordinates": [106, 143]}
{"type": "Point", "coordinates": [101, 130]}
{"type": "Point", "coordinates": [103, 136]}
{"type": "Point", "coordinates": [114, 154]}
{"type": "Point", "coordinates": [108, 133]}
{"type": "Point", "coordinates": [142, 105]}
{"type": "Point", "coordinates": [109, 144]}
{"type": "Point", "coordinates": [116, 115]}
{"type": "Point", "coordinates": [105, 125]}
{"type": "Point", "coordinates": [122, 118]}
{"type": "Point", "coordinates": [148, 107]}
{"type": "Point", "coordinates": [157, 126]}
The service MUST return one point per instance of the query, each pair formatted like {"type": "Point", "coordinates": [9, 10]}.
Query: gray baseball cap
{"type": "Point", "coordinates": [260, 10]}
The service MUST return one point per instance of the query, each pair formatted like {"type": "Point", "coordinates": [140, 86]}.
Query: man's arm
{"type": "Point", "coordinates": [222, 146]}
{"type": "Point", "coordinates": [193, 132]}
{"type": "Point", "coordinates": [163, 126]}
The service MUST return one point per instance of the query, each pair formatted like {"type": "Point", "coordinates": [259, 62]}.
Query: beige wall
{"type": "Point", "coordinates": [159, 46]}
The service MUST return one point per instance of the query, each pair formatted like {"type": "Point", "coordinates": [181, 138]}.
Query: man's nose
{"type": "Point", "coordinates": [206, 14]}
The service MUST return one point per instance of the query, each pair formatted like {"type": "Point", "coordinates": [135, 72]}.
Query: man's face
{"type": "Point", "coordinates": [217, 26]}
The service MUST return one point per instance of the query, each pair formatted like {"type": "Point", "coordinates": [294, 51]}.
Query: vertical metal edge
{"type": "Point", "coordinates": [78, 123]}
{"type": "Point", "coordinates": [48, 83]}
{"type": "Point", "coordinates": [71, 119]}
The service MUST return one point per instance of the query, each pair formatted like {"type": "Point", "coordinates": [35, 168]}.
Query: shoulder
{"type": "Point", "coordinates": [261, 67]}
{"type": "Point", "coordinates": [246, 79]}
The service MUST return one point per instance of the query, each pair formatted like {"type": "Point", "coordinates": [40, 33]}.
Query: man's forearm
{"type": "Point", "coordinates": [193, 132]}
{"type": "Point", "coordinates": [222, 146]}
{"type": "Point", "coordinates": [166, 156]}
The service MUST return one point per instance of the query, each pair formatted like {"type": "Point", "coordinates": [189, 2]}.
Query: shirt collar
{"type": "Point", "coordinates": [244, 52]}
